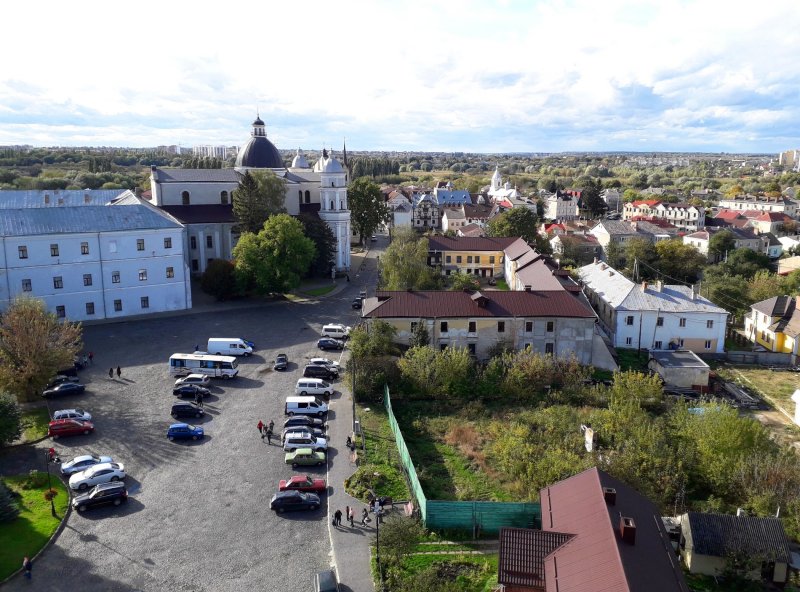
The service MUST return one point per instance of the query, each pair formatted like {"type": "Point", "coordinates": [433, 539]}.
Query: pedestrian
{"type": "Point", "coordinates": [364, 517]}
{"type": "Point", "coordinates": [197, 347]}
{"type": "Point", "coordinates": [269, 436]}
{"type": "Point", "coordinates": [85, 360]}
{"type": "Point", "coordinates": [337, 518]}
{"type": "Point", "coordinates": [119, 372]}
{"type": "Point", "coordinates": [347, 512]}
{"type": "Point", "coordinates": [27, 566]}
{"type": "Point", "coordinates": [271, 425]}
{"type": "Point", "coordinates": [260, 427]}
{"type": "Point", "coordinates": [351, 515]}
{"type": "Point", "coordinates": [198, 399]}
{"type": "Point", "coordinates": [51, 452]}
{"type": "Point", "coordinates": [111, 373]}
{"type": "Point", "coordinates": [348, 277]}
{"type": "Point", "coordinates": [91, 357]}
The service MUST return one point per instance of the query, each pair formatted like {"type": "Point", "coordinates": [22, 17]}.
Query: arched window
{"type": "Point", "coordinates": [185, 198]}
{"type": "Point", "coordinates": [332, 184]}
{"type": "Point", "coordinates": [223, 198]}
{"type": "Point", "coordinates": [308, 196]}
{"type": "Point", "coordinates": [331, 204]}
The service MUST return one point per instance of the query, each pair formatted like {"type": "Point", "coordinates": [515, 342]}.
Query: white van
{"type": "Point", "coordinates": [313, 386]}
{"type": "Point", "coordinates": [305, 406]}
{"type": "Point", "coordinates": [336, 331]}
{"type": "Point", "coordinates": [228, 346]}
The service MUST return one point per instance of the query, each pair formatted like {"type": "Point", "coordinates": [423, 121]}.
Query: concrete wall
{"type": "Point", "coordinates": [681, 377]}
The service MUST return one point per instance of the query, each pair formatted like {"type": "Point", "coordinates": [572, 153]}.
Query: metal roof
{"type": "Point", "coordinates": [469, 243]}
{"type": "Point", "coordinates": [678, 359]}
{"type": "Point", "coordinates": [522, 553]}
{"type": "Point", "coordinates": [53, 198]}
{"type": "Point", "coordinates": [69, 220]}
{"type": "Point", "coordinates": [719, 535]}
{"type": "Point", "coordinates": [196, 176]}
{"type": "Point", "coordinates": [202, 213]}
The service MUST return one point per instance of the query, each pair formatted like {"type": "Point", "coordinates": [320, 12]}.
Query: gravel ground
{"type": "Point", "coordinates": [198, 517]}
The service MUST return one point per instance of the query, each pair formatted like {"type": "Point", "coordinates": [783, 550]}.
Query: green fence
{"type": "Point", "coordinates": [477, 516]}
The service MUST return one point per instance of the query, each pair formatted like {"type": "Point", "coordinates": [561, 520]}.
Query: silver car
{"type": "Point", "coordinates": [72, 414]}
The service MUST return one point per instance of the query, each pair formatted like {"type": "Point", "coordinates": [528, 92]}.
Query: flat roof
{"type": "Point", "coordinates": [678, 359]}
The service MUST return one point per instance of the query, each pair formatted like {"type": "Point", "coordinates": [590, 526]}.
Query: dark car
{"type": "Point", "coordinates": [65, 388]}
{"type": "Point", "coordinates": [327, 343]}
{"type": "Point", "coordinates": [106, 493]}
{"type": "Point", "coordinates": [302, 421]}
{"type": "Point", "coordinates": [190, 390]}
{"type": "Point", "coordinates": [186, 410]}
{"type": "Point", "coordinates": [317, 371]}
{"type": "Point", "coordinates": [357, 303]}
{"type": "Point", "coordinates": [61, 379]}
{"type": "Point", "coordinates": [294, 500]}
{"type": "Point", "coordinates": [281, 362]}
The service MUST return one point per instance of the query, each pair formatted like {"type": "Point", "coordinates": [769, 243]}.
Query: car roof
{"type": "Point", "coordinates": [179, 425]}
{"type": "Point", "coordinates": [69, 411]}
{"type": "Point", "coordinates": [105, 465]}
{"type": "Point", "coordinates": [304, 451]}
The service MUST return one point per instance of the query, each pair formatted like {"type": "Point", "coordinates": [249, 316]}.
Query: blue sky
{"type": "Point", "coordinates": [453, 75]}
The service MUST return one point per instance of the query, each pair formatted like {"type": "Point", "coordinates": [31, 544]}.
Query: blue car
{"type": "Point", "coordinates": [184, 431]}
{"type": "Point", "coordinates": [250, 343]}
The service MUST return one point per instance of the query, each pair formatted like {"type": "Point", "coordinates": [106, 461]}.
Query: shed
{"type": "Point", "coordinates": [680, 368]}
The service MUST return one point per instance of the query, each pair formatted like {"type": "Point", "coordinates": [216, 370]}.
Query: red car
{"type": "Point", "coordinates": [303, 483]}
{"type": "Point", "coordinates": [69, 427]}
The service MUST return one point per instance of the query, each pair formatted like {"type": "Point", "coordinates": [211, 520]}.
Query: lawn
{"type": "Point", "coordinates": [630, 359]}
{"type": "Point", "coordinates": [480, 578]}
{"type": "Point", "coordinates": [33, 528]}
{"type": "Point", "coordinates": [319, 291]}
{"type": "Point", "coordinates": [778, 386]}
{"type": "Point", "coordinates": [34, 424]}
{"type": "Point", "coordinates": [502, 285]}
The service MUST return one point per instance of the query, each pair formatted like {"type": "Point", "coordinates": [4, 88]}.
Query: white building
{"type": "Point", "coordinates": [400, 207]}
{"type": "Point", "coordinates": [499, 191]}
{"type": "Point", "coordinates": [201, 198]}
{"type": "Point", "coordinates": [89, 262]}
{"type": "Point", "coordinates": [653, 316]}
{"type": "Point", "coordinates": [560, 206]}
{"type": "Point", "coordinates": [781, 204]}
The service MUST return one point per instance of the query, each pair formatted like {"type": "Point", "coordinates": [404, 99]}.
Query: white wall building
{"type": "Point", "coordinates": [653, 316]}
{"type": "Point", "coordinates": [560, 206]}
{"type": "Point", "coordinates": [89, 262]}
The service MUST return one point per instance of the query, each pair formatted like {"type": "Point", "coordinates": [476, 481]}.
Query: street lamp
{"type": "Point", "coordinates": [49, 484]}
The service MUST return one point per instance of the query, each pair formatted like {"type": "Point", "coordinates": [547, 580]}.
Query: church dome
{"type": "Point", "coordinates": [259, 152]}
{"type": "Point", "coordinates": [332, 166]}
{"type": "Point", "coordinates": [299, 161]}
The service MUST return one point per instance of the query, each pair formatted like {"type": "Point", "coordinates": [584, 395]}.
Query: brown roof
{"type": "Point", "coordinates": [202, 214]}
{"type": "Point", "coordinates": [597, 558]}
{"type": "Point", "coordinates": [469, 243]}
{"type": "Point", "coordinates": [477, 211]}
{"type": "Point", "coordinates": [522, 553]}
{"type": "Point", "coordinates": [498, 304]}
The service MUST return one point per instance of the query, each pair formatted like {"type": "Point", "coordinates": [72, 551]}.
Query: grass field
{"type": "Point", "coordinates": [34, 424]}
{"type": "Point", "coordinates": [779, 386]}
{"type": "Point", "coordinates": [320, 291]}
{"type": "Point", "coordinates": [476, 573]}
{"type": "Point", "coordinates": [630, 359]}
{"type": "Point", "coordinates": [35, 525]}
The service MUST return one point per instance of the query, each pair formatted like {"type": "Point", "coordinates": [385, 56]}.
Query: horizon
{"type": "Point", "coordinates": [509, 77]}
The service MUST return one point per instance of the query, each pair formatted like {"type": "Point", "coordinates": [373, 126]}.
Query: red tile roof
{"type": "Point", "coordinates": [522, 553]}
{"type": "Point", "coordinates": [646, 202]}
{"type": "Point", "coordinates": [498, 304]}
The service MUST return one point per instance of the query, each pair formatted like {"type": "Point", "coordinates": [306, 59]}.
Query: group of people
{"type": "Point", "coordinates": [265, 430]}
{"type": "Point", "coordinates": [111, 372]}
{"type": "Point", "coordinates": [350, 515]}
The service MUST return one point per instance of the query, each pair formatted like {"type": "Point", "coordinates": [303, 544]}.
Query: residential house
{"type": "Point", "coordinates": [618, 232]}
{"type": "Point", "coordinates": [480, 256]}
{"type": "Point", "coordinates": [639, 209]}
{"type": "Point", "coordinates": [597, 534]}
{"type": "Point", "coordinates": [451, 197]}
{"type": "Point", "coordinates": [653, 316]}
{"type": "Point", "coordinates": [580, 247]}
{"type": "Point", "coordinates": [613, 199]}
{"type": "Point", "coordinates": [526, 269]}
{"type": "Point", "coordinates": [478, 214]}
{"type": "Point", "coordinates": [764, 222]}
{"type": "Point", "coordinates": [774, 324]}
{"type": "Point", "coordinates": [400, 207]}
{"type": "Point", "coordinates": [683, 216]}
{"type": "Point", "coordinates": [89, 261]}
{"type": "Point", "coordinates": [560, 206]}
{"type": "Point", "coordinates": [766, 203]}
{"type": "Point", "coordinates": [550, 322]}
{"type": "Point", "coordinates": [655, 229]}
{"type": "Point", "coordinates": [471, 230]}
{"type": "Point", "coordinates": [788, 265]}
{"type": "Point", "coordinates": [711, 542]}
{"type": "Point", "coordinates": [425, 212]}
{"type": "Point", "coordinates": [452, 218]}
{"type": "Point", "coordinates": [744, 238]}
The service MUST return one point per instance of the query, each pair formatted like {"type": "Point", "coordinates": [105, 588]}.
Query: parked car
{"type": "Point", "coordinates": [72, 414]}
{"type": "Point", "coordinates": [303, 439]}
{"type": "Point", "coordinates": [373, 239]}
{"type": "Point", "coordinates": [303, 457]}
{"type": "Point", "coordinates": [326, 343]}
{"type": "Point", "coordinates": [357, 303]}
{"type": "Point", "coordinates": [69, 427]}
{"type": "Point", "coordinates": [294, 500]}
{"type": "Point", "coordinates": [94, 475]}
{"type": "Point", "coordinates": [190, 390]}
{"type": "Point", "coordinates": [65, 388]}
{"type": "Point", "coordinates": [101, 495]}
{"type": "Point", "coordinates": [336, 331]}
{"type": "Point", "coordinates": [60, 379]}
{"type": "Point", "coordinates": [248, 342]}
{"type": "Point", "coordinates": [281, 362]}
{"type": "Point", "coordinates": [304, 420]}
{"type": "Point", "coordinates": [80, 463]}
{"type": "Point", "coordinates": [198, 379]}
{"type": "Point", "coordinates": [305, 483]}
{"type": "Point", "coordinates": [187, 410]}
{"type": "Point", "coordinates": [184, 431]}
{"type": "Point", "coordinates": [317, 371]}
{"type": "Point", "coordinates": [325, 362]}
{"type": "Point", "coordinates": [314, 431]}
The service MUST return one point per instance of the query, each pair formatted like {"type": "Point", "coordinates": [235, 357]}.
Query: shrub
{"type": "Point", "coordinates": [219, 279]}
{"type": "Point", "coordinates": [9, 508]}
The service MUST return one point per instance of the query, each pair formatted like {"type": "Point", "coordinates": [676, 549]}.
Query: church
{"type": "Point", "coordinates": [201, 199]}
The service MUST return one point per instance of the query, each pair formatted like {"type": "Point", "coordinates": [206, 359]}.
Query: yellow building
{"type": "Point", "coordinates": [482, 256]}
{"type": "Point", "coordinates": [774, 324]}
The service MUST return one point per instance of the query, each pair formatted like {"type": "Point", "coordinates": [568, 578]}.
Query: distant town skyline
{"type": "Point", "coordinates": [450, 76]}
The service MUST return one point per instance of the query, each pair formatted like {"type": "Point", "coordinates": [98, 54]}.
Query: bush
{"type": "Point", "coordinates": [9, 508]}
{"type": "Point", "coordinates": [10, 419]}
{"type": "Point", "coordinates": [35, 480]}
{"type": "Point", "coordinates": [219, 279]}
{"type": "Point", "coordinates": [50, 494]}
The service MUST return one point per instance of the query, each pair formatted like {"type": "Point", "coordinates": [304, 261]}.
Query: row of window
{"type": "Point", "coordinates": [209, 242]}
{"type": "Point", "coordinates": [58, 281]}
{"type": "Point", "coordinates": [22, 250]}
{"type": "Point", "coordinates": [449, 258]}
{"type": "Point", "coordinates": [660, 344]}
{"type": "Point", "coordinates": [187, 201]}
{"type": "Point", "coordinates": [660, 322]}
{"type": "Point", "coordinates": [501, 326]}
{"type": "Point", "coordinates": [61, 311]}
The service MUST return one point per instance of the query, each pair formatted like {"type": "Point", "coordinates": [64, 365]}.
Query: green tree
{"type": "Point", "coordinates": [368, 211]}
{"type": "Point", "coordinates": [377, 338]}
{"type": "Point", "coordinates": [404, 265]}
{"type": "Point", "coordinates": [745, 263]}
{"type": "Point", "coordinates": [614, 254]}
{"type": "Point", "coordinates": [679, 260]}
{"type": "Point", "coordinates": [437, 373]}
{"type": "Point", "coordinates": [399, 537]}
{"type": "Point", "coordinates": [420, 336]}
{"type": "Point", "coordinates": [260, 194]}
{"type": "Point", "coordinates": [721, 243]}
{"type": "Point", "coordinates": [641, 250]}
{"type": "Point", "coordinates": [630, 195]}
{"type": "Point", "coordinates": [765, 284]}
{"type": "Point", "coordinates": [10, 419]}
{"type": "Point", "coordinates": [591, 198]}
{"type": "Point", "coordinates": [324, 242]}
{"type": "Point", "coordinates": [515, 222]}
{"type": "Point", "coordinates": [9, 508]}
{"type": "Point", "coordinates": [276, 258]}
{"type": "Point", "coordinates": [731, 292]}
{"type": "Point", "coordinates": [27, 328]}
{"type": "Point", "coordinates": [462, 281]}
{"type": "Point", "coordinates": [219, 279]}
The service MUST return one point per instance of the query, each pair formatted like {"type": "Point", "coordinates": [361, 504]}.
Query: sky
{"type": "Point", "coordinates": [417, 75]}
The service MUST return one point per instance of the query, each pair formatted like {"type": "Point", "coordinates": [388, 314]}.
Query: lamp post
{"type": "Point", "coordinates": [49, 484]}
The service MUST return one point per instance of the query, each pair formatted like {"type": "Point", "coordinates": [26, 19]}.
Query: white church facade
{"type": "Point", "coordinates": [201, 199]}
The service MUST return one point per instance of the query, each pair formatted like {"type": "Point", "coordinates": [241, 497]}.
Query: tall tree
{"type": "Point", "coordinates": [641, 250]}
{"type": "Point", "coordinates": [591, 198]}
{"type": "Point", "coordinates": [260, 194]}
{"type": "Point", "coordinates": [404, 265]}
{"type": "Point", "coordinates": [34, 345]}
{"type": "Point", "coordinates": [519, 221]}
{"type": "Point", "coordinates": [10, 419]}
{"type": "Point", "coordinates": [721, 243]}
{"type": "Point", "coordinates": [368, 211]}
{"type": "Point", "coordinates": [276, 258]}
{"type": "Point", "coordinates": [324, 241]}
{"type": "Point", "coordinates": [679, 260]}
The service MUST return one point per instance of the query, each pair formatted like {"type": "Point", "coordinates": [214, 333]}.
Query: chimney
{"type": "Point", "coordinates": [627, 529]}
{"type": "Point", "coordinates": [694, 293]}
{"type": "Point", "coordinates": [610, 495]}
{"type": "Point", "coordinates": [659, 285]}
{"type": "Point", "coordinates": [644, 287]}
{"type": "Point", "coordinates": [740, 512]}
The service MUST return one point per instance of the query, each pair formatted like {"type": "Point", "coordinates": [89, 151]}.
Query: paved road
{"type": "Point", "coordinates": [198, 516]}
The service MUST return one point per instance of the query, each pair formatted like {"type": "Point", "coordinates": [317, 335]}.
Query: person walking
{"type": "Point", "coordinates": [347, 512]}
{"type": "Point", "coordinates": [85, 360]}
{"type": "Point", "coordinates": [364, 517]}
{"type": "Point", "coordinates": [337, 518]}
{"type": "Point", "coordinates": [111, 373]}
{"type": "Point", "coordinates": [351, 516]}
{"type": "Point", "coordinates": [260, 427]}
{"type": "Point", "coordinates": [269, 436]}
{"type": "Point", "coordinates": [119, 372]}
{"type": "Point", "coordinates": [91, 357]}
{"type": "Point", "coordinates": [198, 398]}
{"type": "Point", "coordinates": [27, 566]}
{"type": "Point", "coordinates": [271, 425]}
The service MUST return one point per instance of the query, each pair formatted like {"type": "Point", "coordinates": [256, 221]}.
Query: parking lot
{"type": "Point", "coordinates": [198, 516]}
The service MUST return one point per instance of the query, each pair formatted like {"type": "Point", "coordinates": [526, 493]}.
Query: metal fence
{"type": "Point", "coordinates": [475, 516]}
